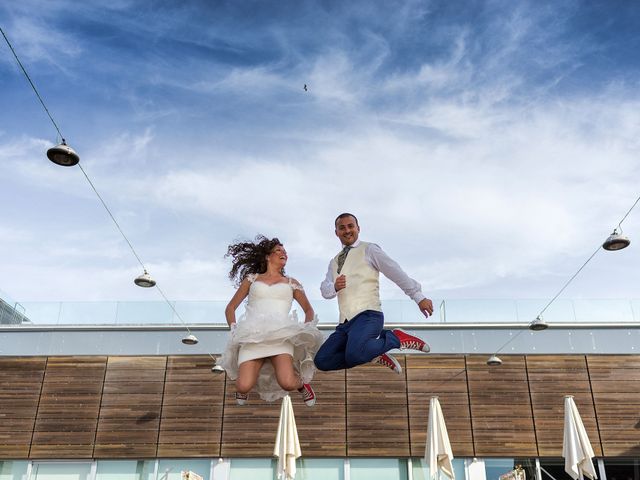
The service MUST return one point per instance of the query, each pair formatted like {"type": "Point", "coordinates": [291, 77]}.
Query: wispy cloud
{"type": "Point", "coordinates": [470, 144]}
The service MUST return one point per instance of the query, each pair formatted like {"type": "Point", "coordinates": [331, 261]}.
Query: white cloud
{"type": "Point", "coordinates": [35, 42]}
{"type": "Point", "coordinates": [473, 174]}
{"type": "Point", "coordinates": [516, 199]}
{"type": "Point", "coordinates": [244, 81]}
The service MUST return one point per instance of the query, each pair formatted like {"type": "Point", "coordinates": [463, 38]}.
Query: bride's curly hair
{"type": "Point", "coordinates": [250, 257]}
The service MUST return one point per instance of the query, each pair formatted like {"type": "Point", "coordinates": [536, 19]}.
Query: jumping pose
{"type": "Point", "coordinates": [268, 348]}
{"type": "Point", "coordinates": [353, 277]}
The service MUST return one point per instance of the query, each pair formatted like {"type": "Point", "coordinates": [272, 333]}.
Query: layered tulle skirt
{"type": "Point", "coordinates": [257, 328]}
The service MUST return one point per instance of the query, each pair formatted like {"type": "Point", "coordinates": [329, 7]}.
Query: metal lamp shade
{"type": "Point", "coordinates": [63, 155]}
{"type": "Point", "coordinates": [190, 339]}
{"type": "Point", "coordinates": [616, 241]}
{"type": "Point", "coordinates": [494, 361]}
{"type": "Point", "coordinates": [538, 325]}
{"type": "Point", "coordinates": [145, 280]}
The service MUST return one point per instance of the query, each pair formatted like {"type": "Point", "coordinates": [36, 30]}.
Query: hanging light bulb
{"type": "Point", "coordinates": [63, 155]}
{"type": "Point", "coordinates": [538, 324]}
{"type": "Point", "coordinates": [494, 361]}
{"type": "Point", "coordinates": [190, 339]}
{"type": "Point", "coordinates": [216, 368]}
{"type": "Point", "coordinates": [145, 280]}
{"type": "Point", "coordinates": [616, 241]}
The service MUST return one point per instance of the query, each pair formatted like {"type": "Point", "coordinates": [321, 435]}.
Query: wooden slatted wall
{"type": "Point", "coordinates": [67, 416]}
{"type": "Point", "coordinates": [377, 414]}
{"type": "Point", "coordinates": [20, 385]}
{"type": "Point", "coordinates": [131, 407]}
{"type": "Point", "coordinates": [615, 383]}
{"type": "Point", "coordinates": [551, 377]}
{"type": "Point", "coordinates": [191, 420]}
{"type": "Point", "coordinates": [248, 430]}
{"type": "Point", "coordinates": [143, 407]}
{"type": "Point", "coordinates": [444, 376]}
{"type": "Point", "coordinates": [501, 407]}
{"type": "Point", "coordinates": [322, 429]}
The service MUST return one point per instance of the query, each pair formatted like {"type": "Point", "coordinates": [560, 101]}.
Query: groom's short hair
{"type": "Point", "coordinates": [342, 215]}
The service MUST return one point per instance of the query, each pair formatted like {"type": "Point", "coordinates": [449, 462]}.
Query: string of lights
{"type": "Point", "coordinates": [616, 241]}
{"type": "Point", "coordinates": [31, 83]}
{"type": "Point", "coordinates": [64, 155]}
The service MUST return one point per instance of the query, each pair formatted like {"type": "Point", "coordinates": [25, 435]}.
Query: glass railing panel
{"type": "Point", "coordinates": [603, 310]}
{"type": "Point", "coordinates": [326, 310]}
{"type": "Point", "coordinates": [560, 311]}
{"type": "Point", "coordinates": [43, 313]}
{"type": "Point", "coordinates": [635, 309]}
{"type": "Point", "coordinates": [394, 311]}
{"type": "Point", "coordinates": [406, 311]}
{"type": "Point", "coordinates": [88, 313]}
{"type": "Point", "coordinates": [205, 312]}
{"type": "Point", "coordinates": [479, 311]}
{"type": "Point", "coordinates": [451, 312]}
{"type": "Point", "coordinates": [141, 313]}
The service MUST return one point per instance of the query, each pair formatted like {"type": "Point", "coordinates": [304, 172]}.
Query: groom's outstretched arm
{"type": "Point", "coordinates": [379, 260]}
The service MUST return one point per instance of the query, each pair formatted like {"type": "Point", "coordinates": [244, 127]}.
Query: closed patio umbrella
{"type": "Point", "coordinates": [438, 452]}
{"type": "Point", "coordinates": [576, 448]}
{"type": "Point", "coordinates": [287, 447]}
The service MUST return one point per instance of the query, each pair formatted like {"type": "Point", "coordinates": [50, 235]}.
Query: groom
{"type": "Point", "coordinates": [353, 276]}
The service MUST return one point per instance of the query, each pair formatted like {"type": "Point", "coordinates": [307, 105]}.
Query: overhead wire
{"type": "Point", "coordinates": [628, 212]}
{"type": "Point", "coordinates": [95, 190]}
{"type": "Point", "coordinates": [539, 316]}
{"type": "Point", "coordinates": [162, 293]}
{"type": "Point", "coordinates": [31, 83]}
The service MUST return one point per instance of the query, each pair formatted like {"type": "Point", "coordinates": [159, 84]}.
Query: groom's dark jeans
{"type": "Point", "coordinates": [355, 342]}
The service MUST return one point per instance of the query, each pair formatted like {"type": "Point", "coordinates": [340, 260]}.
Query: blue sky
{"type": "Point", "coordinates": [488, 146]}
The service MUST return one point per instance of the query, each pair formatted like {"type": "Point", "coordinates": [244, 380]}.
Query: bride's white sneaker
{"type": "Point", "coordinates": [242, 398]}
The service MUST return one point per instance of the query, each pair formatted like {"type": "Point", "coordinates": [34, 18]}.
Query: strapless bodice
{"type": "Point", "coordinates": [270, 299]}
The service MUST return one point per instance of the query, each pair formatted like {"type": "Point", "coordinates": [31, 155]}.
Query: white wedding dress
{"type": "Point", "coordinates": [267, 328]}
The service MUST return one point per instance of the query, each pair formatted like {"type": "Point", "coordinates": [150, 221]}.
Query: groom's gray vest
{"type": "Point", "coordinates": [363, 285]}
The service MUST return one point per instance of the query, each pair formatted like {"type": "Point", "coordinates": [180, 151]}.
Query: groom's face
{"type": "Point", "coordinates": [347, 230]}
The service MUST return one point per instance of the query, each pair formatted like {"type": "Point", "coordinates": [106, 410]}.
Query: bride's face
{"type": "Point", "coordinates": [278, 257]}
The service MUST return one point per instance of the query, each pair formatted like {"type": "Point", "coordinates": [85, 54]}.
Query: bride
{"type": "Point", "coordinates": [268, 348]}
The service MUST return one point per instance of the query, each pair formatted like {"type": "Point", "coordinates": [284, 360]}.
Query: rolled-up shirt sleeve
{"type": "Point", "coordinates": [327, 288]}
{"type": "Point", "coordinates": [382, 262]}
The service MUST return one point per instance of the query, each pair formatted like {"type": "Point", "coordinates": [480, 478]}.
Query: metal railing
{"type": "Point", "coordinates": [459, 312]}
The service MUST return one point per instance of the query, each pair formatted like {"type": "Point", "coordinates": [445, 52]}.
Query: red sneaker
{"type": "Point", "coordinates": [389, 362]}
{"type": "Point", "coordinates": [308, 395]}
{"type": "Point", "coordinates": [241, 398]}
{"type": "Point", "coordinates": [410, 342]}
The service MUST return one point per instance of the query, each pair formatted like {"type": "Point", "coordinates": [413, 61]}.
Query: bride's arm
{"type": "Point", "coordinates": [303, 301]}
{"type": "Point", "coordinates": [236, 300]}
